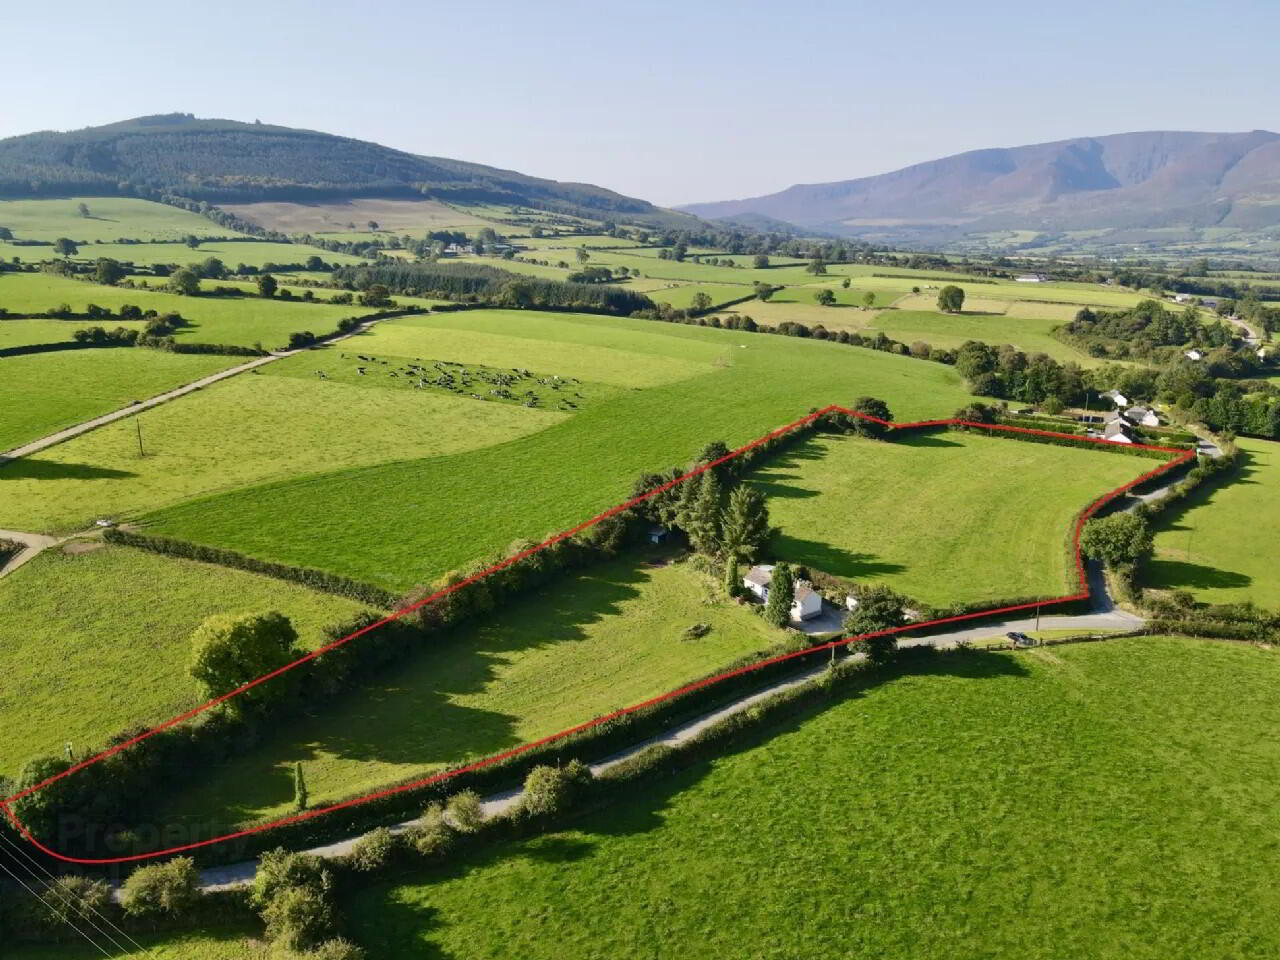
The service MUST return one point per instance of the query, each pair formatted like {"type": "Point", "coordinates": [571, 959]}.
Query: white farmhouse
{"type": "Point", "coordinates": [1194, 354]}
{"type": "Point", "coordinates": [1142, 416]}
{"type": "Point", "coordinates": [1118, 432]}
{"type": "Point", "coordinates": [1116, 397]}
{"type": "Point", "coordinates": [807, 603]}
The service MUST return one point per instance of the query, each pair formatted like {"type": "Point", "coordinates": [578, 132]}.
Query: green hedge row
{"type": "Point", "coordinates": [315, 579]}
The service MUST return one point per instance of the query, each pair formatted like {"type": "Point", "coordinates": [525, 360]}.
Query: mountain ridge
{"type": "Point", "coordinates": [230, 161]}
{"type": "Point", "coordinates": [1145, 179]}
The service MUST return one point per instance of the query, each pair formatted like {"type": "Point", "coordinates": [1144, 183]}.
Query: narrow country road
{"type": "Point", "coordinates": [53, 439]}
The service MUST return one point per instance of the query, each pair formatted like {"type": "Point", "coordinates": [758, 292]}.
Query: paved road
{"type": "Point", "coordinates": [62, 435]}
{"type": "Point", "coordinates": [33, 545]}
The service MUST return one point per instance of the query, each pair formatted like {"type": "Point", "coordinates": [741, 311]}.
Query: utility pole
{"type": "Point", "coordinates": [137, 422]}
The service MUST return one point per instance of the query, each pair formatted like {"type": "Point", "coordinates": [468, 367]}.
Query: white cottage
{"type": "Point", "coordinates": [807, 603]}
{"type": "Point", "coordinates": [1118, 432]}
{"type": "Point", "coordinates": [1142, 417]}
{"type": "Point", "coordinates": [1194, 355]}
{"type": "Point", "coordinates": [1116, 397]}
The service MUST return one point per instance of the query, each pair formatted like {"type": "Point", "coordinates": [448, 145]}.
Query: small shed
{"type": "Point", "coordinates": [658, 534]}
{"type": "Point", "coordinates": [1194, 354]}
{"type": "Point", "coordinates": [1118, 432]}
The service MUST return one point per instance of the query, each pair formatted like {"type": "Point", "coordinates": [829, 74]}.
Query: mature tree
{"type": "Point", "coordinates": [732, 576]}
{"type": "Point", "coordinates": [763, 290]}
{"type": "Point", "coordinates": [192, 241]}
{"type": "Point", "coordinates": [299, 788]}
{"type": "Point", "coordinates": [1117, 540]}
{"type": "Point", "coordinates": [65, 247]}
{"type": "Point", "coordinates": [83, 209]}
{"type": "Point", "coordinates": [315, 263]}
{"type": "Point", "coordinates": [376, 296]}
{"type": "Point", "coordinates": [161, 889]}
{"type": "Point", "coordinates": [782, 593]}
{"type": "Point", "coordinates": [879, 608]}
{"type": "Point", "coordinates": [845, 283]}
{"type": "Point", "coordinates": [744, 525]}
{"type": "Point", "coordinates": [230, 651]}
{"type": "Point", "coordinates": [871, 407]}
{"type": "Point", "coordinates": [6, 233]}
{"type": "Point", "coordinates": [267, 286]}
{"type": "Point", "coordinates": [701, 302]}
{"type": "Point", "coordinates": [185, 281]}
{"type": "Point", "coordinates": [551, 790]}
{"type": "Point", "coordinates": [108, 271]}
{"type": "Point", "coordinates": [213, 269]}
{"type": "Point", "coordinates": [582, 255]}
{"type": "Point", "coordinates": [760, 261]}
{"type": "Point", "coordinates": [817, 266]}
{"type": "Point", "coordinates": [824, 298]}
{"type": "Point", "coordinates": [951, 299]}
{"type": "Point", "coordinates": [868, 300]}
{"type": "Point", "coordinates": [373, 224]}
{"type": "Point", "coordinates": [700, 518]}
{"type": "Point", "coordinates": [712, 451]}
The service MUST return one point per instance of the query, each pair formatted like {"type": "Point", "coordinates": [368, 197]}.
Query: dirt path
{"type": "Point", "coordinates": [62, 435]}
{"type": "Point", "coordinates": [33, 544]}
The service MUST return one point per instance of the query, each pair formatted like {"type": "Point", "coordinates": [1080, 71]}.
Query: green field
{"type": "Point", "coordinates": [353, 216]}
{"type": "Point", "coordinates": [585, 645]}
{"type": "Point", "coordinates": [1102, 800]}
{"type": "Point", "coordinates": [253, 253]}
{"type": "Point", "coordinates": [1220, 543]}
{"type": "Point", "coordinates": [223, 945]}
{"type": "Point", "coordinates": [707, 385]}
{"type": "Point", "coordinates": [682, 297]}
{"type": "Point", "coordinates": [46, 392]}
{"type": "Point", "coordinates": [852, 297]}
{"type": "Point", "coordinates": [104, 641]}
{"type": "Point", "coordinates": [110, 218]}
{"type": "Point", "coordinates": [943, 517]}
{"type": "Point", "coordinates": [18, 333]}
{"type": "Point", "coordinates": [238, 321]}
{"type": "Point", "coordinates": [281, 422]}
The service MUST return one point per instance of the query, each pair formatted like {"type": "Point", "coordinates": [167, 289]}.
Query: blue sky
{"type": "Point", "coordinates": [671, 101]}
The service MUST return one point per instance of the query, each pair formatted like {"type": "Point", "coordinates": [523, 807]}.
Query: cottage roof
{"type": "Point", "coordinates": [761, 575]}
{"type": "Point", "coordinates": [1117, 427]}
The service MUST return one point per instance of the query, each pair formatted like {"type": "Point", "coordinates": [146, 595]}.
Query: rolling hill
{"type": "Point", "coordinates": [226, 161]}
{"type": "Point", "coordinates": [1148, 180]}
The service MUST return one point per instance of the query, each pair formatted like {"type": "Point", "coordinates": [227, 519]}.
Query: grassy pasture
{"type": "Point", "coordinates": [1102, 800]}
{"type": "Point", "coordinates": [226, 320]}
{"type": "Point", "coordinates": [392, 216]}
{"type": "Point", "coordinates": [254, 253]}
{"type": "Point", "coordinates": [690, 272]}
{"type": "Point", "coordinates": [43, 393]}
{"type": "Point", "coordinates": [943, 517]}
{"type": "Point", "coordinates": [805, 295]}
{"type": "Point", "coordinates": [682, 297]}
{"type": "Point", "coordinates": [587, 644]}
{"type": "Point", "coordinates": [110, 218]}
{"type": "Point", "coordinates": [246, 430]}
{"type": "Point", "coordinates": [103, 644]}
{"type": "Point", "coordinates": [20, 333]}
{"type": "Point", "coordinates": [230, 943]}
{"type": "Point", "coordinates": [1085, 294]}
{"type": "Point", "coordinates": [470, 504]}
{"type": "Point", "coordinates": [1220, 542]}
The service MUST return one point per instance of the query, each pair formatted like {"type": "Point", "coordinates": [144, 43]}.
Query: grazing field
{"type": "Point", "coordinates": [943, 517]}
{"type": "Point", "coordinates": [237, 321]}
{"type": "Point", "coordinates": [584, 645]}
{"type": "Point", "coordinates": [19, 333]}
{"type": "Point", "coordinates": [853, 297]}
{"type": "Point", "coordinates": [472, 504]}
{"type": "Point", "coordinates": [110, 218]}
{"type": "Point", "coordinates": [687, 271]}
{"type": "Point", "coordinates": [392, 216]}
{"type": "Point", "coordinates": [682, 297]}
{"type": "Point", "coordinates": [223, 944]}
{"type": "Point", "coordinates": [46, 392]}
{"type": "Point", "coordinates": [248, 429]}
{"type": "Point", "coordinates": [104, 641]}
{"type": "Point", "coordinates": [254, 253]}
{"type": "Point", "coordinates": [1101, 800]}
{"type": "Point", "coordinates": [1220, 543]}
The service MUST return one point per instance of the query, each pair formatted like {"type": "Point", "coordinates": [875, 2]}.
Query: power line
{"type": "Point", "coordinates": [97, 946]}
{"type": "Point", "coordinates": [105, 919]}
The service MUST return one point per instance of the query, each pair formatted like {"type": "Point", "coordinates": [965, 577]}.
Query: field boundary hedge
{"type": "Point", "coordinates": [598, 727]}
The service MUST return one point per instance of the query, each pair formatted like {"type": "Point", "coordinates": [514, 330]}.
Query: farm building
{"type": "Point", "coordinates": [807, 603]}
{"type": "Point", "coordinates": [1031, 278]}
{"type": "Point", "coordinates": [1142, 417]}
{"type": "Point", "coordinates": [1116, 397]}
{"type": "Point", "coordinates": [1118, 431]}
{"type": "Point", "coordinates": [1194, 354]}
{"type": "Point", "coordinates": [658, 534]}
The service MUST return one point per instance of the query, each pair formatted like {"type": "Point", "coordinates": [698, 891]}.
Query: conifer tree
{"type": "Point", "coordinates": [782, 592]}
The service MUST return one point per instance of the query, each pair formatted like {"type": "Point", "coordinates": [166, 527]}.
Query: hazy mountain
{"type": "Point", "coordinates": [229, 161]}
{"type": "Point", "coordinates": [1128, 180]}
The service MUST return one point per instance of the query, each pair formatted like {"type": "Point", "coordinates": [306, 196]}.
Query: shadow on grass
{"type": "Point", "coordinates": [391, 925]}
{"type": "Point", "coordinates": [834, 560]}
{"type": "Point", "coordinates": [1179, 574]}
{"type": "Point", "coordinates": [26, 468]}
{"type": "Point", "coordinates": [409, 715]}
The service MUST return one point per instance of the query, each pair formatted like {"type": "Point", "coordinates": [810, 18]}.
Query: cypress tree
{"type": "Point", "coordinates": [299, 788]}
{"type": "Point", "coordinates": [782, 592]}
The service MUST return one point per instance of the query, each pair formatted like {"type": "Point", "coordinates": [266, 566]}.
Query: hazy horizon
{"type": "Point", "coordinates": [675, 104]}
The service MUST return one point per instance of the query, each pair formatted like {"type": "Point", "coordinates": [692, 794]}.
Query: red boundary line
{"type": "Point", "coordinates": [1089, 511]}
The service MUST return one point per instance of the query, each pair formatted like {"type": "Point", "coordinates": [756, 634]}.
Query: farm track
{"type": "Point", "coordinates": [69, 433]}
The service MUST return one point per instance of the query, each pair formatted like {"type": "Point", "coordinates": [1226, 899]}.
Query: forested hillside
{"type": "Point", "coordinates": [225, 161]}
